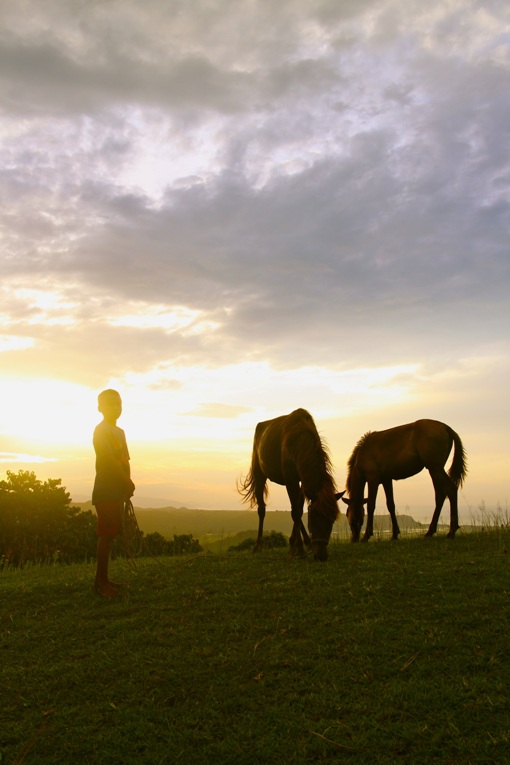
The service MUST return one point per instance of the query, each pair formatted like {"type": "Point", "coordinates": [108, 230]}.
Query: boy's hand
{"type": "Point", "coordinates": [130, 488]}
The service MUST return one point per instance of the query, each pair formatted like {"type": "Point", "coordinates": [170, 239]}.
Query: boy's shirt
{"type": "Point", "coordinates": [110, 446]}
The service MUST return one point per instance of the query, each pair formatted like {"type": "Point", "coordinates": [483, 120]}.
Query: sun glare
{"type": "Point", "coordinates": [14, 343]}
{"type": "Point", "coordinates": [175, 403]}
{"type": "Point", "coordinates": [194, 405]}
{"type": "Point", "coordinates": [47, 412]}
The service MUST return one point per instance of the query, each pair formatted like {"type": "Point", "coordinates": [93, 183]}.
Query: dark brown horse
{"type": "Point", "coordinates": [387, 455]}
{"type": "Point", "coordinates": [288, 450]}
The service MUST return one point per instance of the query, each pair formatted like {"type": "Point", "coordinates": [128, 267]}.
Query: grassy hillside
{"type": "Point", "coordinates": [387, 653]}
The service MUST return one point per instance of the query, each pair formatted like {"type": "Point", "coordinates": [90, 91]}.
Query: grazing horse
{"type": "Point", "coordinates": [289, 451]}
{"type": "Point", "coordinates": [387, 455]}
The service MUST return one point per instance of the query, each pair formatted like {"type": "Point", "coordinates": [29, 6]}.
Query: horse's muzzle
{"type": "Point", "coordinates": [320, 551]}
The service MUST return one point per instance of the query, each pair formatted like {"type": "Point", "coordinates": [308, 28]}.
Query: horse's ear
{"type": "Point", "coordinates": [345, 500]}
{"type": "Point", "coordinates": [339, 494]}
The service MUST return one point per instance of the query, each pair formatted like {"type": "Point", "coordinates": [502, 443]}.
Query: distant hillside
{"type": "Point", "coordinates": [214, 524]}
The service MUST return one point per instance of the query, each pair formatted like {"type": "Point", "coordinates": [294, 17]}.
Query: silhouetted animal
{"type": "Point", "coordinates": [289, 451]}
{"type": "Point", "coordinates": [397, 453]}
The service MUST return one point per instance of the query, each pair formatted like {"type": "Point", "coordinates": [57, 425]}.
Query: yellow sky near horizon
{"type": "Point", "coordinates": [192, 452]}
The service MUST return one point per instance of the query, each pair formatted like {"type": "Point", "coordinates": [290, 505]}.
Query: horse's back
{"type": "Point", "coordinates": [275, 430]}
{"type": "Point", "coordinates": [389, 454]}
{"type": "Point", "coordinates": [404, 450]}
{"type": "Point", "coordinates": [433, 440]}
{"type": "Point", "coordinates": [272, 438]}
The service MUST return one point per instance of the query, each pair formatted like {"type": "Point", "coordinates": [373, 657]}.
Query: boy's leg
{"type": "Point", "coordinates": [108, 528]}
{"type": "Point", "coordinates": [102, 584]}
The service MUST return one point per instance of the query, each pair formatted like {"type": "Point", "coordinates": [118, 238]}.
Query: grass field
{"type": "Point", "coordinates": [388, 653]}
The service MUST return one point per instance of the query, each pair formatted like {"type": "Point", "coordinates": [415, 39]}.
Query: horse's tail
{"type": "Point", "coordinates": [458, 468]}
{"type": "Point", "coordinates": [249, 487]}
{"type": "Point", "coordinates": [246, 488]}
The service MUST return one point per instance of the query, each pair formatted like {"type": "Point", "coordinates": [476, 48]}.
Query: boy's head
{"type": "Point", "coordinates": [109, 403]}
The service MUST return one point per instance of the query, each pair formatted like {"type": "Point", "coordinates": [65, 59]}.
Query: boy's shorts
{"type": "Point", "coordinates": [109, 515]}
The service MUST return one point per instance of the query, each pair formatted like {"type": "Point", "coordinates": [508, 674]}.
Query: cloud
{"type": "Point", "coordinates": [10, 457]}
{"type": "Point", "coordinates": [228, 210]}
{"type": "Point", "coordinates": [327, 186]}
{"type": "Point", "coordinates": [219, 411]}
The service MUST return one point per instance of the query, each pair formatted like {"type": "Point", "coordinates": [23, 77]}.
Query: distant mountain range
{"type": "Point", "coordinates": [209, 524]}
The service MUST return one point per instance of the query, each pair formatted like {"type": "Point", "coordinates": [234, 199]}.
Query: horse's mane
{"type": "Point", "coordinates": [309, 452]}
{"type": "Point", "coordinates": [352, 459]}
{"type": "Point", "coordinates": [295, 438]}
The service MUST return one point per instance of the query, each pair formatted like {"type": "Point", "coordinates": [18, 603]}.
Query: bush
{"type": "Point", "coordinates": [183, 544]}
{"type": "Point", "coordinates": [271, 540]}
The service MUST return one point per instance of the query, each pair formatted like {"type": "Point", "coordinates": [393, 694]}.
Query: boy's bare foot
{"type": "Point", "coordinates": [105, 590]}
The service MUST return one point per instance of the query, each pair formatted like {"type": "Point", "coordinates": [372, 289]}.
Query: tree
{"type": "Point", "coordinates": [37, 523]}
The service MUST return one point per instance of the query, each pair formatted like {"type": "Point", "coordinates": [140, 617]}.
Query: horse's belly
{"type": "Point", "coordinates": [407, 470]}
{"type": "Point", "coordinates": [273, 473]}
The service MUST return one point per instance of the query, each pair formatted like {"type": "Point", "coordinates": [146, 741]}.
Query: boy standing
{"type": "Point", "coordinates": [112, 485]}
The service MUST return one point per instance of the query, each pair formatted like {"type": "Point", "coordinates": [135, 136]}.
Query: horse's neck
{"type": "Point", "coordinates": [355, 484]}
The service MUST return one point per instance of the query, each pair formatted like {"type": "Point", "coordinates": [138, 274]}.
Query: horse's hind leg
{"type": "Point", "coordinates": [451, 491]}
{"type": "Point", "coordinates": [454, 513]}
{"type": "Point", "coordinates": [261, 509]}
{"type": "Point", "coordinates": [443, 487]}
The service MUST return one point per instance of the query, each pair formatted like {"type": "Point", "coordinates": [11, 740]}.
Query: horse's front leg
{"type": "Point", "coordinates": [372, 497]}
{"type": "Point", "coordinates": [299, 533]}
{"type": "Point", "coordinates": [390, 504]}
{"type": "Point", "coordinates": [304, 533]}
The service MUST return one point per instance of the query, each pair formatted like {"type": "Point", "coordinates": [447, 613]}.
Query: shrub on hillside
{"type": "Point", "coordinates": [271, 540]}
{"type": "Point", "coordinates": [182, 544]}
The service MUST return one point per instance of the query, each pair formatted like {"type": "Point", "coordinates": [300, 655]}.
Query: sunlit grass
{"type": "Point", "coordinates": [390, 652]}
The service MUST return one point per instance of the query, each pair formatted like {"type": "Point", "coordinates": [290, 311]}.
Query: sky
{"type": "Point", "coordinates": [228, 210]}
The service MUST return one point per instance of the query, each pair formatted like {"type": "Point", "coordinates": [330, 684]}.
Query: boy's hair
{"type": "Point", "coordinates": [105, 396]}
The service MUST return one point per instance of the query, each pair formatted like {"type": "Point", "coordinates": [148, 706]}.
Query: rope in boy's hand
{"type": "Point", "coordinates": [133, 541]}
{"type": "Point", "coordinates": [131, 534]}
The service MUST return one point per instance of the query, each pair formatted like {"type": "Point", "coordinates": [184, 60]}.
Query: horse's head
{"type": "Point", "coordinates": [320, 525]}
{"type": "Point", "coordinates": [355, 515]}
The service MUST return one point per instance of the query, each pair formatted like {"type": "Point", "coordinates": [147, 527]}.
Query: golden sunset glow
{"type": "Point", "coordinates": [310, 213]}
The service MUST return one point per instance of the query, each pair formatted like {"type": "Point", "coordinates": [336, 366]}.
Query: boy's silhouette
{"type": "Point", "coordinates": [112, 485]}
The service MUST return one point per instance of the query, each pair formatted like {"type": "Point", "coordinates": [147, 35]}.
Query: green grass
{"type": "Point", "coordinates": [388, 653]}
